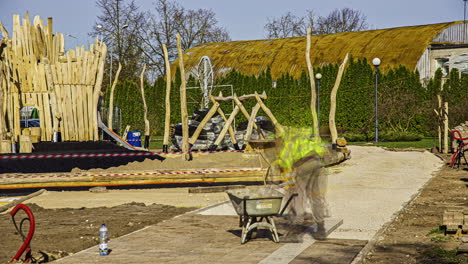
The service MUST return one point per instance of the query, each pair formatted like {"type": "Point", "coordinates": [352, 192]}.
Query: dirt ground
{"type": "Point", "coordinates": [413, 237]}
{"type": "Point", "coordinates": [66, 231]}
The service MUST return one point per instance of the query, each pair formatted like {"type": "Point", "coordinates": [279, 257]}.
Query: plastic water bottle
{"type": "Point", "coordinates": [103, 238]}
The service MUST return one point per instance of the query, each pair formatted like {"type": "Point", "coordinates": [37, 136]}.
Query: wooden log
{"type": "Point", "coordinates": [227, 126]}
{"type": "Point", "coordinates": [5, 146]}
{"type": "Point", "coordinates": [167, 120]}
{"type": "Point", "coordinates": [313, 94]}
{"type": "Point", "coordinates": [251, 123]}
{"type": "Point", "coordinates": [440, 115]}
{"type": "Point", "coordinates": [3, 128]}
{"type": "Point", "coordinates": [232, 134]}
{"type": "Point", "coordinates": [331, 121]}
{"type": "Point", "coordinates": [97, 88]}
{"type": "Point", "coordinates": [240, 98]}
{"type": "Point", "coordinates": [21, 200]}
{"type": "Point", "coordinates": [243, 110]}
{"type": "Point", "coordinates": [269, 113]}
{"type": "Point", "coordinates": [25, 144]}
{"type": "Point", "coordinates": [183, 98]}
{"type": "Point", "coordinates": [446, 127]}
{"type": "Point", "coordinates": [84, 92]}
{"type": "Point", "coordinates": [145, 107]}
{"type": "Point", "coordinates": [202, 124]}
{"type": "Point", "coordinates": [47, 113]}
{"type": "Point", "coordinates": [111, 99]}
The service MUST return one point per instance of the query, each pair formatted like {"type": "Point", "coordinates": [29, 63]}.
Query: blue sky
{"type": "Point", "coordinates": [244, 19]}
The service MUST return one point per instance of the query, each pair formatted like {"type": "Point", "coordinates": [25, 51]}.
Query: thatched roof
{"type": "Point", "coordinates": [394, 46]}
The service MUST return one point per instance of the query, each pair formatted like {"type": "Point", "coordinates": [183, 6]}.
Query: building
{"type": "Point", "coordinates": [424, 48]}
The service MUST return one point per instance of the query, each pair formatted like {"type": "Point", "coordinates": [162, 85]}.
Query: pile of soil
{"type": "Point", "coordinates": [66, 231]}
{"type": "Point", "coordinates": [414, 236]}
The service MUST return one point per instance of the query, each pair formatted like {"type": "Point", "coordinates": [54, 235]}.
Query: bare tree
{"type": "Point", "coordinates": [288, 25]}
{"type": "Point", "coordinates": [120, 25]}
{"type": "Point", "coordinates": [194, 26]}
{"type": "Point", "coordinates": [339, 20]}
{"type": "Point", "coordinates": [342, 20]}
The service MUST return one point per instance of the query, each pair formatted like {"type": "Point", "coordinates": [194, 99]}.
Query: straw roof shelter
{"type": "Point", "coordinates": [409, 46]}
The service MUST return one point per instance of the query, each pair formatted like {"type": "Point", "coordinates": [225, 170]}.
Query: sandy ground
{"type": "Point", "coordinates": [179, 197]}
{"type": "Point", "coordinates": [368, 189]}
{"type": "Point", "coordinates": [365, 191]}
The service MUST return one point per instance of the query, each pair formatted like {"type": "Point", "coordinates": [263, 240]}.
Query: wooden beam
{"type": "Point", "coordinates": [232, 134]}
{"type": "Point", "coordinates": [446, 127]}
{"type": "Point", "coordinates": [145, 107]}
{"type": "Point", "coordinates": [333, 131]}
{"type": "Point", "coordinates": [183, 99]}
{"type": "Point", "coordinates": [111, 99]}
{"type": "Point", "coordinates": [227, 126]}
{"type": "Point", "coordinates": [251, 123]}
{"type": "Point", "coordinates": [21, 200]}
{"type": "Point", "coordinates": [202, 124]}
{"type": "Point", "coordinates": [313, 94]}
{"type": "Point", "coordinates": [167, 120]}
{"type": "Point", "coordinates": [269, 113]}
{"type": "Point", "coordinates": [240, 98]}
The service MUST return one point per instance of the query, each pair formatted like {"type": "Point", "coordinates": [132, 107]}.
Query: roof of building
{"type": "Point", "coordinates": [394, 46]}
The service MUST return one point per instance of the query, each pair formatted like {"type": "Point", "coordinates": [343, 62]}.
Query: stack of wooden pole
{"type": "Point", "coordinates": [64, 87]}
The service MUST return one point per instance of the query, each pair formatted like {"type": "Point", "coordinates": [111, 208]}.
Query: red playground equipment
{"type": "Point", "coordinates": [460, 151]}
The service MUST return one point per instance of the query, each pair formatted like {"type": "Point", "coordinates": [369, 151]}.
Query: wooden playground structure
{"type": "Point", "coordinates": [64, 87]}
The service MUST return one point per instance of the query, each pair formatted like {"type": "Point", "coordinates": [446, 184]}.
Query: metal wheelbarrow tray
{"type": "Point", "coordinates": [253, 205]}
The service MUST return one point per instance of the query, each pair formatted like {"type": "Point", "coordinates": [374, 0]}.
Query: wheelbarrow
{"type": "Point", "coordinates": [253, 205]}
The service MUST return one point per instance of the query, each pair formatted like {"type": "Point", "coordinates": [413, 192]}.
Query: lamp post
{"type": "Point", "coordinates": [376, 62]}
{"type": "Point", "coordinates": [318, 76]}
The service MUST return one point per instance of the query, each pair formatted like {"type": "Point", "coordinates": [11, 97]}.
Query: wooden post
{"type": "Point", "coordinates": [333, 131]}
{"type": "Point", "coordinates": [440, 117]}
{"type": "Point", "coordinates": [111, 99]}
{"type": "Point", "coordinates": [313, 95]}
{"type": "Point", "coordinates": [102, 49]}
{"type": "Point", "coordinates": [183, 99]}
{"type": "Point", "coordinates": [167, 120]}
{"type": "Point", "coordinates": [227, 127]}
{"type": "Point", "coordinates": [3, 128]}
{"type": "Point", "coordinates": [202, 124]}
{"type": "Point", "coordinates": [269, 113]}
{"type": "Point", "coordinates": [145, 107]}
{"type": "Point", "coordinates": [446, 127]}
{"type": "Point", "coordinates": [232, 134]}
{"type": "Point", "coordinates": [246, 114]}
{"type": "Point", "coordinates": [251, 123]}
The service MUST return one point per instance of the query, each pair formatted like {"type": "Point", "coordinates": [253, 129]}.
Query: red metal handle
{"type": "Point", "coordinates": [459, 135]}
{"type": "Point", "coordinates": [28, 239]}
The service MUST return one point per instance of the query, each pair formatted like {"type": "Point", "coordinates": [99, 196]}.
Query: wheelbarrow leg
{"type": "Point", "coordinates": [273, 230]}
{"type": "Point", "coordinates": [245, 230]}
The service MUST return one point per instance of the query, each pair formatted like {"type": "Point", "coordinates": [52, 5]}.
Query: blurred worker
{"type": "Point", "coordinates": [300, 160]}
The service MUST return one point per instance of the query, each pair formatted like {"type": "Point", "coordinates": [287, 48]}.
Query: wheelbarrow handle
{"type": "Point", "coordinates": [287, 203]}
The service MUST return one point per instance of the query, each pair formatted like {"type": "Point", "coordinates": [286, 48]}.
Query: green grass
{"type": "Point", "coordinates": [158, 143]}
{"type": "Point", "coordinates": [425, 143]}
{"type": "Point", "coordinates": [444, 256]}
{"type": "Point", "coordinates": [436, 231]}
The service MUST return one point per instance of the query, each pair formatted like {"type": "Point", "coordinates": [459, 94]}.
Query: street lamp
{"type": "Point", "coordinates": [376, 62]}
{"type": "Point", "coordinates": [318, 76]}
